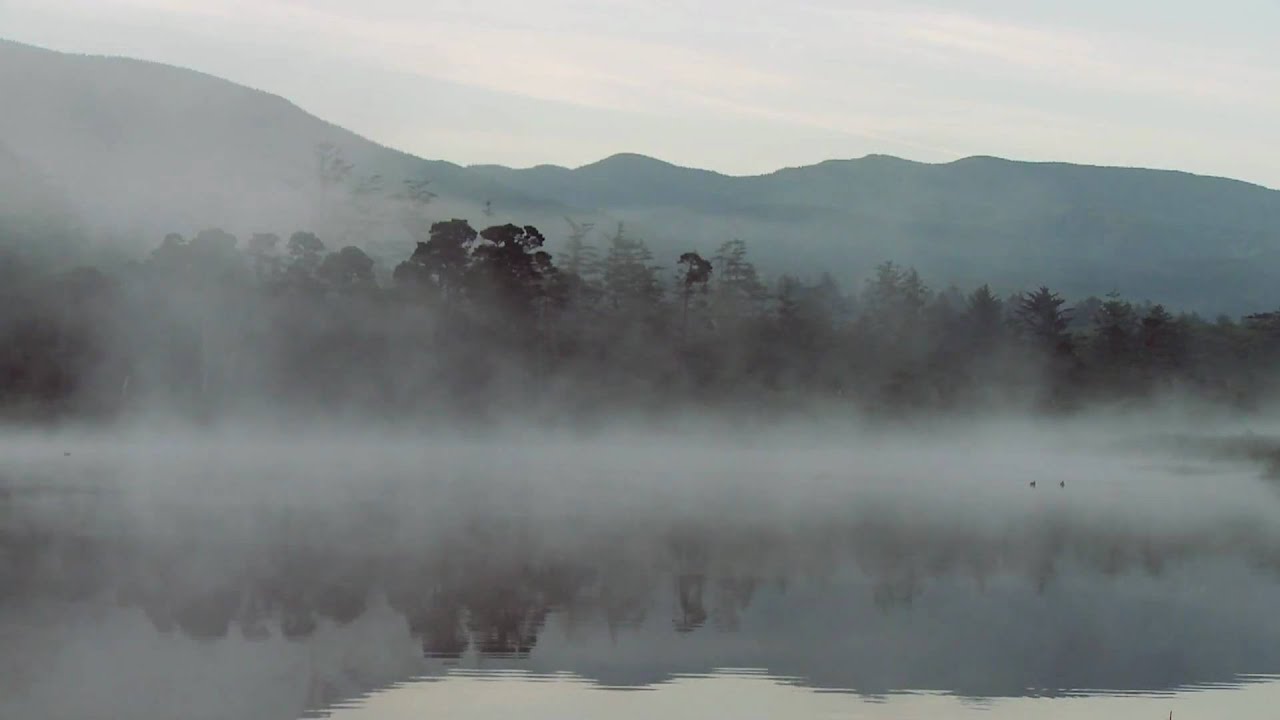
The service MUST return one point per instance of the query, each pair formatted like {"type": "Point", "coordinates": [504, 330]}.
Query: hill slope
{"type": "Point", "coordinates": [1201, 242]}
{"type": "Point", "coordinates": [37, 222]}
{"type": "Point", "coordinates": [139, 149]}
{"type": "Point", "coordinates": [145, 148]}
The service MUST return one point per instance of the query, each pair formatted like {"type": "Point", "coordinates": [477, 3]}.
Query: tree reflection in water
{"type": "Point", "coordinates": [488, 585]}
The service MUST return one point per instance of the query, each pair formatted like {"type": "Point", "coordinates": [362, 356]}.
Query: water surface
{"type": "Point", "coordinates": [555, 579]}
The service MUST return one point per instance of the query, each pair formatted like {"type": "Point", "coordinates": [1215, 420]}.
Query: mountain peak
{"type": "Point", "coordinates": [141, 152]}
{"type": "Point", "coordinates": [630, 160]}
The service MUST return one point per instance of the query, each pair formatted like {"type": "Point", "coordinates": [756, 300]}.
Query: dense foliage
{"type": "Point", "coordinates": [478, 322]}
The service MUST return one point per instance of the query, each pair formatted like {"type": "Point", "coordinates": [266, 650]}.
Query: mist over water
{"type": "Point", "coordinates": [247, 573]}
{"type": "Point", "coordinates": [283, 434]}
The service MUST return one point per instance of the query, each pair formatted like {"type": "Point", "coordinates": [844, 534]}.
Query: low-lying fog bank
{"type": "Point", "coordinates": [1163, 471]}
{"type": "Point", "coordinates": [201, 552]}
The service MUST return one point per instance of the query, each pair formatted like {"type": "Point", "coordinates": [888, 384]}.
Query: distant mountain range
{"type": "Point", "coordinates": [136, 149]}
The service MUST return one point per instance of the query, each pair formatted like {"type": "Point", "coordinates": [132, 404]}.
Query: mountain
{"type": "Point", "coordinates": [145, 149]}
{"type": "Point", "coordinates": [1201, 242]}
{"type": "Point", "coordinates": [138, 149]}
{"type": "Point", "coordinates": [37, 221]}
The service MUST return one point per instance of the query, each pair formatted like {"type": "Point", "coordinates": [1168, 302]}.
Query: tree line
{"type": "Point", "coordinates": [488, 321]}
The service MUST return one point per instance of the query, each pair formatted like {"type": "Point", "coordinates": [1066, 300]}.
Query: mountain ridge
{"type": "Point", "coordinates": [146, 148]}
{"type": "Point", "coordinates": [869, 157]}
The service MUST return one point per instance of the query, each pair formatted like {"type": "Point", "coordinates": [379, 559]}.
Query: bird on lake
{"type": "Point", "coordinates": [1033, 483]}
{"type": "Point", "coordinates": [1062, 483]}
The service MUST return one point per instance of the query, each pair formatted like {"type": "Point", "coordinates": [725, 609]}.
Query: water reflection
{"type": "Point", "coordinates": [310, 608]}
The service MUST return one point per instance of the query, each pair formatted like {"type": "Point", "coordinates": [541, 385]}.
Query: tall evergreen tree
{"type": "Point", "coordinates": [1041, 316]}
{"type": "Point", "coordinates": [739, 293]}
{"type": "Point", "coordinates": [631, 284]}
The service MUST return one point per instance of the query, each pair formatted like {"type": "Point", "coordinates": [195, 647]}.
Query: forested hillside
{"type": "Point", "coordinates": [138, 149]}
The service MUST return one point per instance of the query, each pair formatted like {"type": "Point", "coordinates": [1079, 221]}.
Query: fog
{"type": "Point", "coordinates": [132, 150]}
{"type": "Point", "coordinates": [339, 438]}
{"type": "Point", "coordinates": [247, 572]}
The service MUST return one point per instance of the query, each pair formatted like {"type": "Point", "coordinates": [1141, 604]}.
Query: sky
{"type": "Point", "coordinates": [738, 86]}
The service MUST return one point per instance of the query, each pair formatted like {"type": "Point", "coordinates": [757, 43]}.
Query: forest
{"type": "Point", "coordinates": [487, 323]}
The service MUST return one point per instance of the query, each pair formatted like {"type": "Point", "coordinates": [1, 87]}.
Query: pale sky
{"type": "Point", "coordinates": [742, 87]}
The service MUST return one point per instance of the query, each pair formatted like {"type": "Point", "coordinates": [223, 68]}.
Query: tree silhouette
{"type": "Point", "coordinates": [306, 251]}
{"type": "Point", "coordinates": [348, 269]}
{"type": "Point", "coordinates": [580, 258]}
{"type": "Point", "coordinates": [440, 264]}
{"type": "Point", "coordinates": [1042, 316]}
{"type": "Point", "coordinates": [476, 321]}
{"type": "Point", "coordinates": [695, 274]}
{"type": "Point", "coordinates": [1113, 346]}
{"type": "Point", "coordinates": [984, 316]}
{"type": "Point", "coordinates": [263, 252]}
{"type": "Point", "coordinates": [510, 265]}
{"type": "Point", "coordinates": [630, 279]}
{"type": "Point", "coordinates": [739, 294]}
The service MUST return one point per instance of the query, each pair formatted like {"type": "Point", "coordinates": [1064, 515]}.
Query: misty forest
{"type": "Point", "coordinates": [483, 318]}
{"type": "Point", "coordinates": [297, 424]}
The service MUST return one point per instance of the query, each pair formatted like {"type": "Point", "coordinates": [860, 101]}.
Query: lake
{"type": "Point", "coordinates": [891, 577]}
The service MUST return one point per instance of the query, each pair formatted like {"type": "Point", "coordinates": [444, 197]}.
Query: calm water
{"type": "Point", "coordinates": [686, 586]}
